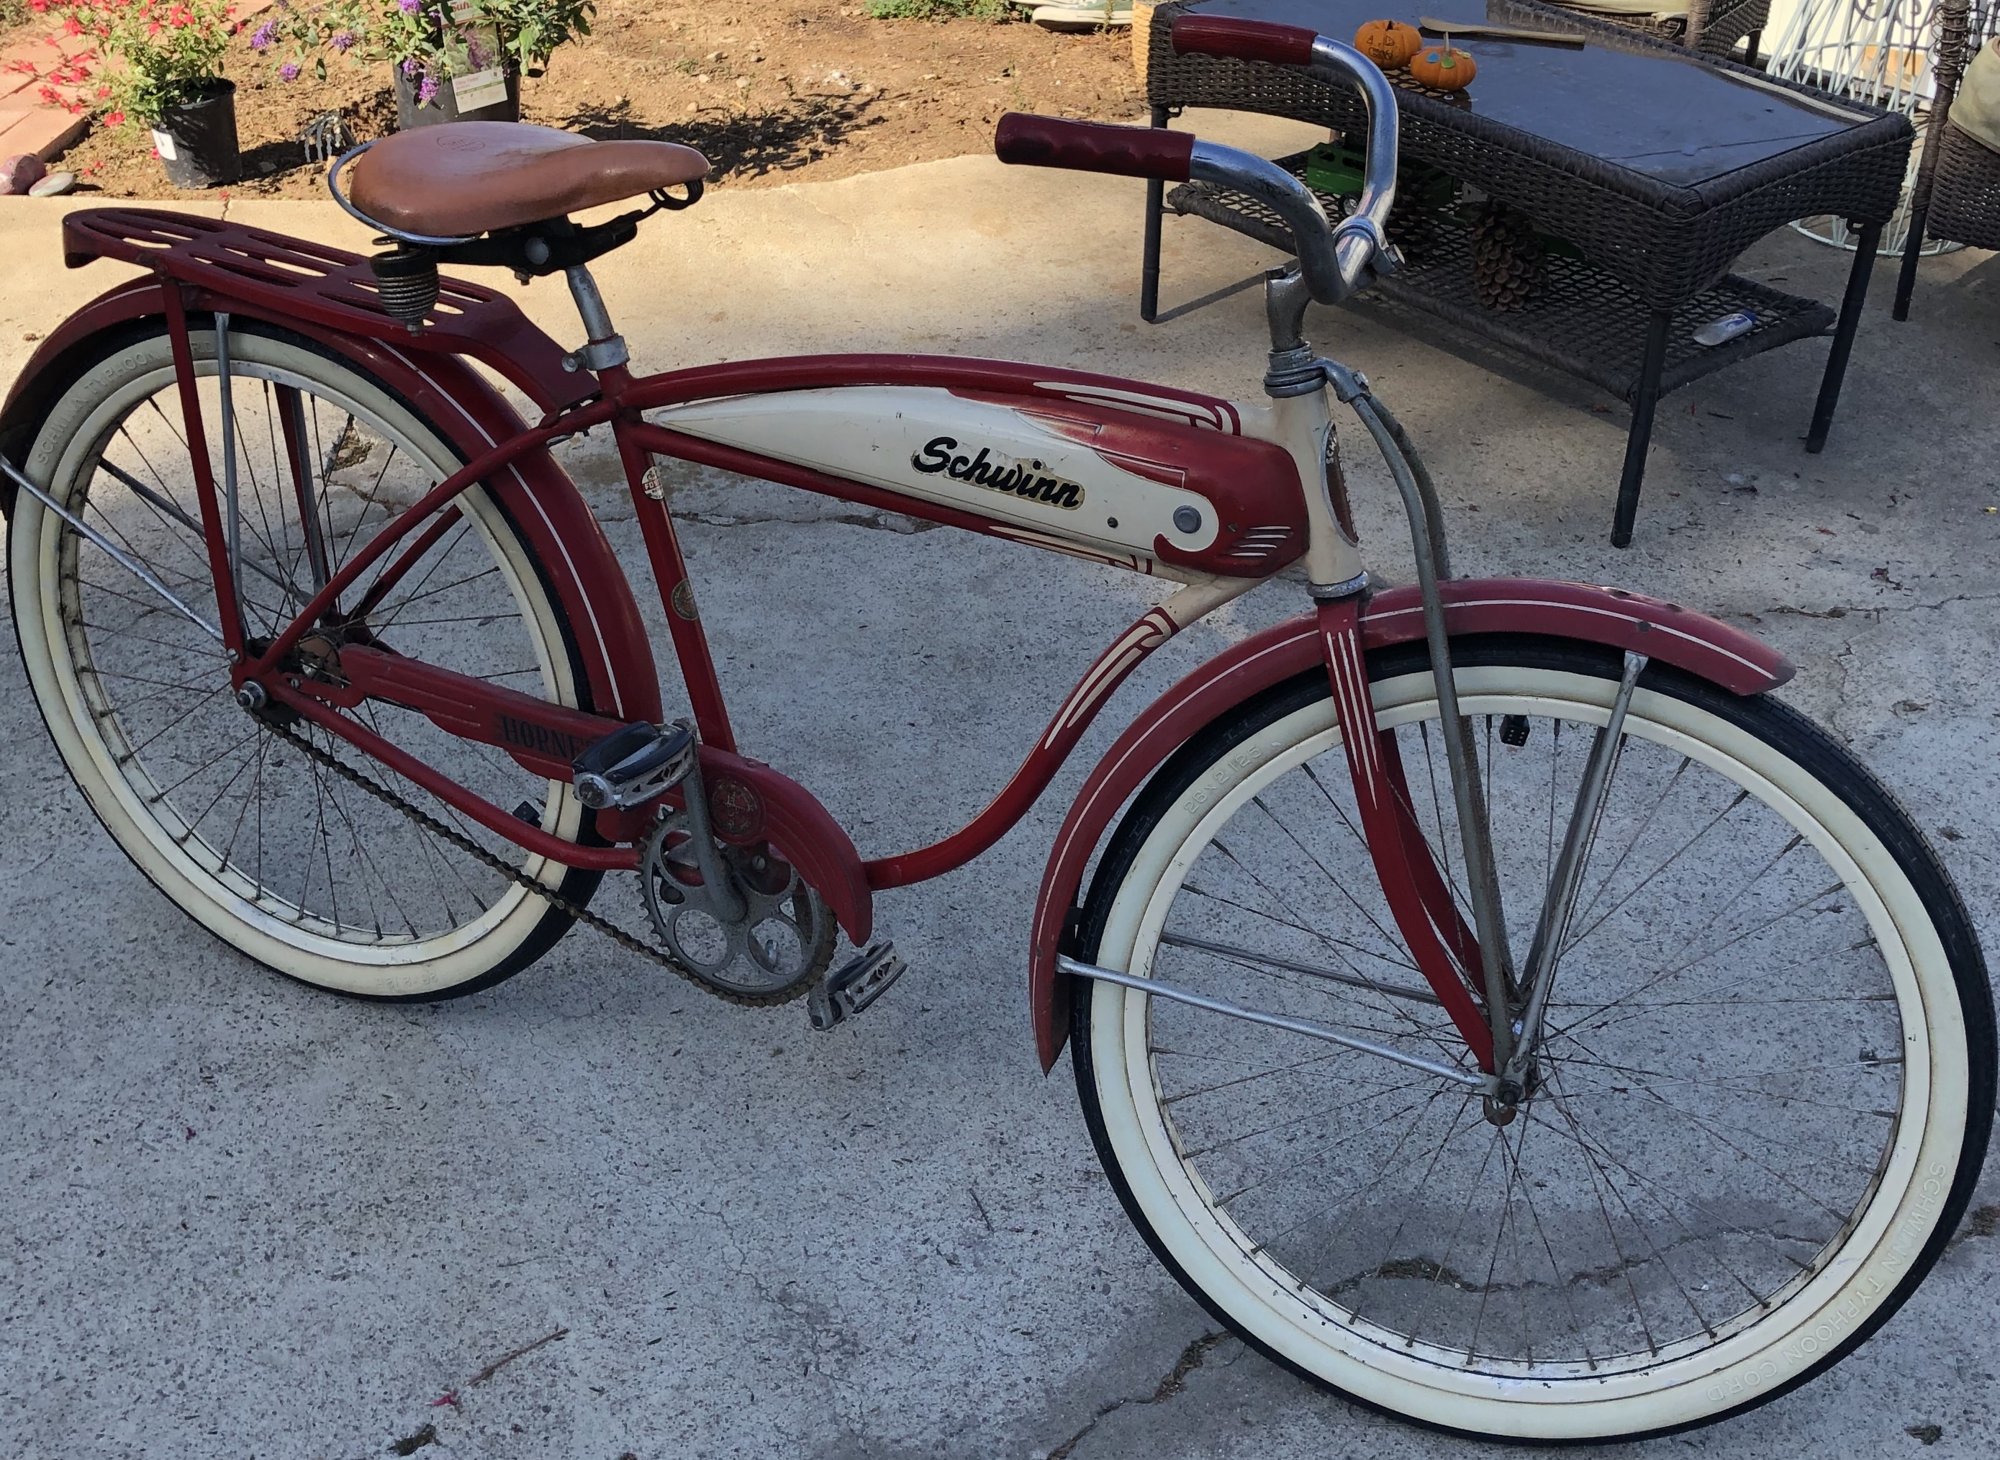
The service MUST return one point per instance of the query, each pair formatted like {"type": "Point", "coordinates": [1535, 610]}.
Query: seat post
{"type": "Point", "coordinates": [605, 349]}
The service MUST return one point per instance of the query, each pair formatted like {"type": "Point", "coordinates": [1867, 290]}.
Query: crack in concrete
{"type": "Point", "coordinates": [1878, 610]}
{"type": "Point", "coordinates": [852, 226]}
{"type": "Point", "coordinates": [1425, 1269]}
{"type": "Point", "coordinates": [1840, 701]}
{"type": "Point", "coordinates": [1173, 1382]}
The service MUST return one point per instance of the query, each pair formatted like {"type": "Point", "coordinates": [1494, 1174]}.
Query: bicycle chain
{"type": "Point", "coordinates": [575, 910]}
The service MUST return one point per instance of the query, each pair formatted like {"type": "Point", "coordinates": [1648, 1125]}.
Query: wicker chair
{"type": "Point", "coordinates": [1957, 196]}
{"type": "Point", "coordinates": [1716, 25]}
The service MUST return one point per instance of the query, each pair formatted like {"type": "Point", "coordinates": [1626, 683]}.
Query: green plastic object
{"type": "Point", "coordinates": [1334, 169]}
{"type": "Point", "coordinates": [1339, 170]}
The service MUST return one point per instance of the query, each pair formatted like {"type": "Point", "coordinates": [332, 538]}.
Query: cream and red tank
{"type": "Point", "coordinates": [1111, 471]}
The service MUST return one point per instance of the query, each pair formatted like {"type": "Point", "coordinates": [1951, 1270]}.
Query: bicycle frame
{"type": "Point", "coordinates": [544, 737]}
{"type": "Point", "coordinates": [1219, 495]}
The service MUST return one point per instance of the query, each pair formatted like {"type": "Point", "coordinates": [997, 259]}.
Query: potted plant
{"type": "Point", "coordinates": [451, 60]}
{"type": "Point", "coordinates": [157, 63]}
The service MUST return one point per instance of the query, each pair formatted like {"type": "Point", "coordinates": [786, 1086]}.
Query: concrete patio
{"type": "Point", "coordinates": [241, 1219]}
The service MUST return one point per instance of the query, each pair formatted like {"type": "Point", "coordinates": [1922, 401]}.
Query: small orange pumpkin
{"type": "Point", "coordinates": [1444, 68]}
{"type": "Point", "coordinates": [1388, 43]}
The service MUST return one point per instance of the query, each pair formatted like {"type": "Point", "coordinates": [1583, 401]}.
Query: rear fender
{"type": "Point", "coordinates": [1692, 642]}
{"type": "Point", "coordinates": [537, 494]}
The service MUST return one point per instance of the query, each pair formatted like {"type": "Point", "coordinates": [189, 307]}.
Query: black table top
{"type": "Point", "coordinates": [1674, 119]}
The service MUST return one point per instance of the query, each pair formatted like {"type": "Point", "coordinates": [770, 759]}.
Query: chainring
{"type": "Point", "coordinates": [778, 949]}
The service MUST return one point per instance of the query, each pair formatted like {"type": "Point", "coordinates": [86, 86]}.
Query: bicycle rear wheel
{"type": "Point", "coordinates": [264, 844]}
{"type": "Point", "coordinates": [1761, 1108]}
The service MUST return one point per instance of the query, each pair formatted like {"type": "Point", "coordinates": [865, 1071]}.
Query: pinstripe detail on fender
{"type": "Point", "coordinates": [1419, 898]}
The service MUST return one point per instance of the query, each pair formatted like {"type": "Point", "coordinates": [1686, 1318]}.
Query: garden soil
{"type": "Point", "coordinates": [772, 91]}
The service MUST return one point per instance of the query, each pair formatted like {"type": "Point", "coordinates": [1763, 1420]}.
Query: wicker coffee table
{"type": "Point", "coordinates": [1654, 168]}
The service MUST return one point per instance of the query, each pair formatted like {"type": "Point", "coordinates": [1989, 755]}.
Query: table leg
{"type": "Point", "coordinates": [1752, 41]}
{"type": "Point", "coordinates": [1641, 434]}
{"type": "Point", "coordinates": [1906, 276]}
{"type": "Point", "coordinates": [1843, 334]}
{"type": "Point", "coordinates": [1156, 207]}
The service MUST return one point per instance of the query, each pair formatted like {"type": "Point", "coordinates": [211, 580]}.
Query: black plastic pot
{"type": "Point", "coordinates": [444, 106]}
{"type": "Point", "coordinates": [196, 139]}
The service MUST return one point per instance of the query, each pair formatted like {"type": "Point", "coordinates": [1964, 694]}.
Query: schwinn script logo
{"type": "Point", "coordinates": [1016, 478]}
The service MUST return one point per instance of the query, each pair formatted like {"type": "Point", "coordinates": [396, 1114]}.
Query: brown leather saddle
{"type": "Point", "coordinates": [470, 178]}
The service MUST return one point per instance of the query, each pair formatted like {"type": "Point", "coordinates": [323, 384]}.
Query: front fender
{"type": "Point", "coordinates": [1689, 641]}
{"type": "Point", "coordinates": [538, 495]}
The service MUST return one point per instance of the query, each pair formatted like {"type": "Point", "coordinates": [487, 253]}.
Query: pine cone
{"type": "Point", "coordinates": [1412, 227]}
{"type": "Point", "coordinates": [1506, 258]}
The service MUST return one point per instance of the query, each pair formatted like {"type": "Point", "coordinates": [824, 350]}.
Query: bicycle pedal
{"type": "Point", "coordinates": [853, 986]}
{"type": "Point", "coordinates": [633, 764]}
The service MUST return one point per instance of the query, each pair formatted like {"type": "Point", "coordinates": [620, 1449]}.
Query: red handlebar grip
{"type": "Point", "coordinates": [1244, 40]}
{"type": "Point", "coordinates": [1033, 141]}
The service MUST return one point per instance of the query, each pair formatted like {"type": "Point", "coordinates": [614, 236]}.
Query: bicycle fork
{"type": "Point", "coordinates": [1470, 969]}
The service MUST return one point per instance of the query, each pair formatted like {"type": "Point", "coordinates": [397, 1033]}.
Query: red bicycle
{"type": "Point", "coordinates": [1487, 999]}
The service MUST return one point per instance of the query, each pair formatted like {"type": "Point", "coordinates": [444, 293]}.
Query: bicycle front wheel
{"type": "Point", "coordinates": [266, 845]}
{"type": "Point", "coordinates": [1759, 1111]}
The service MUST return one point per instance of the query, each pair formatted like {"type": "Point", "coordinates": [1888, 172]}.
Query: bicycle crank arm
{"type": "Point", "coordinates": [1485, 1084]}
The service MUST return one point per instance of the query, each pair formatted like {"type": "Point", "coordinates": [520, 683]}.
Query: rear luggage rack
{"type": "Point", "coordinates": [292, 279]}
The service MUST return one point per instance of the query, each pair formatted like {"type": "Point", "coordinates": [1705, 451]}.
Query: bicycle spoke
{"type": "Point", "coordinates": [1689, 1163]}
{"type": "Point", "coordinates": [294, 838]}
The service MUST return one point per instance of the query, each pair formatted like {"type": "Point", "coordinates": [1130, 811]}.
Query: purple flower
{"type": "Point", "coordinates": [410, 67]}
{"type": "Point", "coordinates": [264, 35]}
{"type": "Point", "coordinates": [344, 41]}
{"type": "Point", "coordinates": [289, 71]}
{"type": "Point", "coordinates": [427, 91]}
{"type": "Point", "coordinates": [409, 7]}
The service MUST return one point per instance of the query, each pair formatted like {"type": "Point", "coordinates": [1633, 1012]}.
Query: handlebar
{"type": "Point", "coordinates": [1031, 141]}
{"type": "Point", "coordinates": [1244, 40]}
{"type": "Point", "coordinates": [1334, 260]}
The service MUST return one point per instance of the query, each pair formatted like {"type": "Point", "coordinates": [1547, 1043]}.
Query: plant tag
{"type": "Point", "coordinates": [481, 88]}
{"type": "Point", "coordinates": [164, 145]}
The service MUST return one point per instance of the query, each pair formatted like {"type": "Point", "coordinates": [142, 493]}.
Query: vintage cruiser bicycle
{"type": "Point", "coordinates": [1486, 998]}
